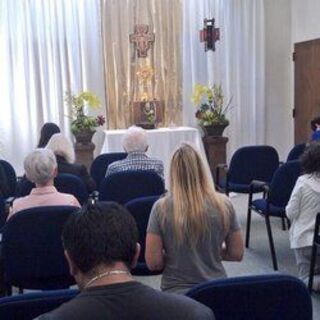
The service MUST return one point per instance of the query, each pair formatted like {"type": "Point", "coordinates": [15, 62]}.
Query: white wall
{"type": "Point", "coordinates": [286, 22]}
{"type": "Point", "coordinates": [305, 25]}
{"type": "Point", "coordinates": [279, 128]}
{"type": "Point", "coordinates": [305, 18]}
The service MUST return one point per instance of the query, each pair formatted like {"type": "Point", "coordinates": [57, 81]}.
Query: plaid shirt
{"type": "Point", "coordinates": [136, 161]}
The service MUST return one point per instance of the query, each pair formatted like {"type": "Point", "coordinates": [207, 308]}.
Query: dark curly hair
{"type": "Point", "coordinates": [104, 232]}
{"type": "Point", "coordinates": [310, 159]}
{"type": "Point", "coordinates": [313, 123]}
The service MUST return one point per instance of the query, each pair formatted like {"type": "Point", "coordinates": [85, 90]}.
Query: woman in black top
{"type": "Point", "coordinates": [47, 131]}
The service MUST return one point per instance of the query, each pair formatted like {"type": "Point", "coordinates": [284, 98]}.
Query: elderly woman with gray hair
{"type": "Point", "coordinates": [41, 168]}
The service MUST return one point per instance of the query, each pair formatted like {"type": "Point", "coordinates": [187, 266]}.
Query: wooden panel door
{"type": "Point", "coordinates": [306, 87]}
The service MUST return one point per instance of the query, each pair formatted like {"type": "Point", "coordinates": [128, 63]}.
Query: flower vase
{"type": "Point", "coordinates": [215, 130]}
{"type": "Point", "coordinates": [84, 137]}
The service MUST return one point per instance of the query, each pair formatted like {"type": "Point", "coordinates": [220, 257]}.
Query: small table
{"type": "Point", "coordinates": [162, 142]}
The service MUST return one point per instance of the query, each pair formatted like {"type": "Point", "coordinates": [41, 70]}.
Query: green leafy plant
{"type": "Point", "coordinates": [78, 103]}
{"type": "Point", "coordinates": [210, 103]}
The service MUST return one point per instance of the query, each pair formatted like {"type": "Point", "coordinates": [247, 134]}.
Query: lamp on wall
{"type": "Point", "coordinates": [209, 34]}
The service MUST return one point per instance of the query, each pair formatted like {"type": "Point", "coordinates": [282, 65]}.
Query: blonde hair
{"type": "Point", "coordinates": [192, 192]}
{"type": "Point", "coordinates": [61, 146]}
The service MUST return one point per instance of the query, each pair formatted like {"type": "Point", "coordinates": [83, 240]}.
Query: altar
{"type": "Point", "coordinates": [162, 142]}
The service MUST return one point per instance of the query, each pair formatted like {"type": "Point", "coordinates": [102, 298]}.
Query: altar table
{"type": "Point", "coordinates": [162, 142]}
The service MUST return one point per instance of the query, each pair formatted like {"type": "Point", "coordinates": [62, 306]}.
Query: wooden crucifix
{"type": "Point", "coordinates": [143, 39]}
{"type": "Point", "coordinates": [209, 34]}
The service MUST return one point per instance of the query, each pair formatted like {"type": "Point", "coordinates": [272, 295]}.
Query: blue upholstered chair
{"type": "Point", "coordinates": [32, 249]}
{"type": "Point", "coordinates": [140, 208]}
{"type": "Point", "coordinates": [296, 152]}
{"type": "Point", "coordinates": [100, 165]}
{"type": "Point", "coordinates": [68, 183]}
{"type": "Point", "coordinates": [247, 164]}
{"type": "Point", "coordinates": [11, 178]}
{"type": "Point", "coordinates": [263, 297]}
{"type": "Point", "coordinates": [124, 186]}
{"type": "Point", "coordinates": [64, 182]}
{"type": "Point", "coordinates": [28, 306]}
{"type": "Point", "coordinates": [277, 195]}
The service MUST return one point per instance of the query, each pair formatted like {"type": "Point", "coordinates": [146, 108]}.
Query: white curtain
{"type": "Point", "coordinates": [46, 48]}
{"type": "Point", "coordinates": [49, 47]}
{"type": "Point", "coordinates": [238, 64]}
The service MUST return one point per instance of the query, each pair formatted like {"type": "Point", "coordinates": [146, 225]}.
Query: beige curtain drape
{"type": "Point", "coordinates": [119, 18]}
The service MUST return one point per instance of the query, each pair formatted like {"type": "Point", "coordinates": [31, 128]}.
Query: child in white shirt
{"type": "Point", "coordinates": [302, 208]}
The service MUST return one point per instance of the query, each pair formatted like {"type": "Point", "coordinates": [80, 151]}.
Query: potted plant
{"type": "Point", "coordinates": [83, 126]}
{"type": "Point", "coordinates": [211, 112]}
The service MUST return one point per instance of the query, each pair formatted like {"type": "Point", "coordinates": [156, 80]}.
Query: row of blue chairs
{"type": "Point", "coordinates": [256, 169]}
{"type": "Point", "coordinates": [247, 164]}
{"type": "Point", "coordinates": [32, 251]}
{"type": "Point", "coordinates": [263, 297]}
{"type": "Point", "coordinates": [101, 163]}
{"type": "Point", "coordinates": [266, 159]}
{"type": "Point", "coordinates": [145, 183]}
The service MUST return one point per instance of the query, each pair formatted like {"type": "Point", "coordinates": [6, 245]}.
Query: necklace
{"type": "Point", "coordinates": [105, 274]}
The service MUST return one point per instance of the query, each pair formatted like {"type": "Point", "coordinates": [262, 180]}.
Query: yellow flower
{"type": "Point", "coordinates": [90, 98]}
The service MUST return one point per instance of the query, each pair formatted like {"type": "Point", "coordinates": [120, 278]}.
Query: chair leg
{"type": "Point", "coordinates": [8, 290]}
{"type": "Point", "coordinates": [312, 266]}
{"type": "Point", "coordinates": [283, 223]}
{"type": "Point", "coordinates": [288, 223]}
{"type": "Point", "coordinates": [248, 223]}
{"type": "Point", "coordinates": [273, 252]}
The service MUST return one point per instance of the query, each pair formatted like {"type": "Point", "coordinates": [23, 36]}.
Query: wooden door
{"type": "Point", "coordinates": [306, 87]}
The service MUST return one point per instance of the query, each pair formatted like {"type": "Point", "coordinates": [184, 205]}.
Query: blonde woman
{"type": "Point", "coordinates": [193, 228]}
{"type": "Point", "coordinates": [64, 152]}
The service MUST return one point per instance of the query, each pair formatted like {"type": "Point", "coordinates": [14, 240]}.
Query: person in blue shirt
{"type": "Point", "coordinates": [315, 126]}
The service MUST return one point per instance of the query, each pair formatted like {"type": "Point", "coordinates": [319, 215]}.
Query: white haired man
{"type": "Point", "coordinates": [135, 143]}
{"type": "Point", "coordinates": [41, 168]}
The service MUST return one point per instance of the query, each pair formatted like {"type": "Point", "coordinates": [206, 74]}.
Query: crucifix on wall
{"type": "Point", "coordinates": [209, 34]}
{"type": "Point", "coordinates": [143, 39]}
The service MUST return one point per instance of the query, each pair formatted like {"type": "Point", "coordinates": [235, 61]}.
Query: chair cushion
{"type": "Point", "coordinates": [260, 205]}
{"type": "Point", "coordinates": [239, 188]}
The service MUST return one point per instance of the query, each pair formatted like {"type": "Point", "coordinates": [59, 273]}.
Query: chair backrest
{"type": "Point", "coordinates": [69, 183]}
{"type": "Point", "coordinates": [283, 182]}
{"type": "Point", "coordinates": [264, 297]}
{"type": "Point", "coordinates": [11, 178]}
{"type": "Point", "coordinates": [124, 186]}
{"type": "Point", "coordinates": [64, 182]}
{"type": "Point", "coordinates": [296, 152]}
{"type": "Point", "coordinates": [32, 248]}
{"type": "Point", "coordinates": [253, 163]}
{"type": "Point", "coordinates": [100, 165]}
{"type": "Point", "coordinates": [28, 306]}
{"type": "Point", "coordinates": [140, 208]}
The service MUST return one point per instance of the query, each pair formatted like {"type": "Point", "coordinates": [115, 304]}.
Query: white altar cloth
{"type": "Point", "coordinates": [162, 142]}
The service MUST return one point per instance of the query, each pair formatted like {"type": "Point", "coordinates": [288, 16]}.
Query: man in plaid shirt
{"type": "Point", "coordinates": [135, 143]}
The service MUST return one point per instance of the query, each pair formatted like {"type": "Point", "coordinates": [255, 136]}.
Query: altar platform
{"type": "Point", "coordinates": [162, 142]}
